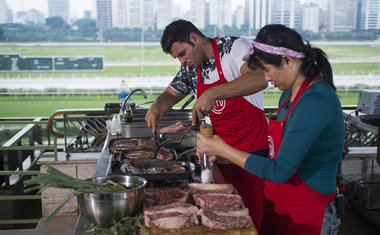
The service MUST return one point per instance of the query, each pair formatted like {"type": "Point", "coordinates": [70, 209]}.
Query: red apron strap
{"type": "Point", "coordinates": [216, 57]}
{"type": "Point", "coordinates": [305, 84]}
{"type": "Point", "coordinates": [283, 103]}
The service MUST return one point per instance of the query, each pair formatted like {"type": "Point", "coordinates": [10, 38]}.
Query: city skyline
{"type": "Point", "coordinates": [84, 5]}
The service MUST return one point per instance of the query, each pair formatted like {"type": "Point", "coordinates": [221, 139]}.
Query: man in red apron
{"type": "Point", "coordinates": [209, 69]}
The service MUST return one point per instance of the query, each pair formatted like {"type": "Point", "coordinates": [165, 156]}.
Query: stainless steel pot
{"type": "Point", "coordinates": [103, 208]}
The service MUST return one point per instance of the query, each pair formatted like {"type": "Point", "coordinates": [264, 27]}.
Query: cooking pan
{"type": "Point", "coordinates": [120, 157]}
{"type": "Point", "coordinates": [190, 167]}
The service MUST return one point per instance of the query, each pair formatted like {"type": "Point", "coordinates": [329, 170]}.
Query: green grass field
{"type": "Point", "coordinates": [44, 106]}
{"type": "Point", "coordinates": [127, 54]}
{"type": "Point", "coordinates": [37, 106]}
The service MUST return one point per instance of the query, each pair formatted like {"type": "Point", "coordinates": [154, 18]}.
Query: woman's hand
{"type": "Point", "coordinates": [211, 146]}
{"type": "Point", "coordinates": [220, 151]}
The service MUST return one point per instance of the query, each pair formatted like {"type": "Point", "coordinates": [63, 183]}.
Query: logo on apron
{"type": "Point", "coordinates": [219, 106]}
{"type": "Point", "coordinates": [271, 146]}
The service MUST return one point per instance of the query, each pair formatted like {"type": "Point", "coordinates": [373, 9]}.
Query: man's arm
{"type": "Point", "coordinates": [249, 82]}
{"type": "Point", "coordinates": [164, 102]}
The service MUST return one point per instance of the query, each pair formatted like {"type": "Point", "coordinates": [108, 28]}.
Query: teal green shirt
{"type": "Point", "coordinates": [312, 144]}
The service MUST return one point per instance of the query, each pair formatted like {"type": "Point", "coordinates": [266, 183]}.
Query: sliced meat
{"type": "Point", "coordinates": [156, 170]}
{"type": "Point", "coordinates": [147, 143]}
{"type": "Point", "coordinates": [199, 188]}
{"type": "Point", "coordinates": [228, 219]}
{"type": "Point", "coordinates": [133, 168]}
{"type": "Point", "coordinates": [218, 200]}
{"type": "Point", "coordinates": [124, 145]}
{"type": "Point", "coordinates": [175, 128]}
{"type": "Point", "coordinates": [139, 155]}
{"type": "Point", "coordinates": [172, 216]}
{"type": "Point", "coordinates": [164, 154]}
{"type": "Point", "coordinates": [155, 197]}
{"type": "Point", "coordinates": [178, 170]}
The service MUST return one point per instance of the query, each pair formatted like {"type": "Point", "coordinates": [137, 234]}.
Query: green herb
{"type": "Point", "coordinates": [126, 226]}
{"type": "Point", "coordinates": [57, 179]}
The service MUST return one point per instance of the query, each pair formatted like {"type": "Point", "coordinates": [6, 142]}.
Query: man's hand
{"type": "Point", "coordinates": [203, 106]}
{"type": "Point", "coordinates": [164, 102]}
{"type": "Point", "coordinates": [153, 117]}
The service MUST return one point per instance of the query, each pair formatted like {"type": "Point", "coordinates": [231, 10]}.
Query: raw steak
{"type": "Point", "coordinates": [133, 168]}
{"type": "Point", "coordinates": [164, 154]}
{"type": "Point", "coordinates": [123, 145]}
{"type": "Point", "coordinates": [139, 155]}
{"type": "Point", "coordinates": [172, 216]}
{"type": "Point", "coordinates": [227, 219]}
{"type": "Point", "coordinates": [175, 128]}
{"type": "Point", "coordinates": [218, 200]}
{"type": "Point", "coordinates": [147, 143]}
{"type": "Point", "coordinates": [155, 197]}
{"type": "Point", "coordinates": [197, 188]}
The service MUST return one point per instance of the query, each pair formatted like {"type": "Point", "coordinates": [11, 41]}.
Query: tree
{"type": "Point", "coordinates": [2, 37]}
{"type": "Point", "coordinates": [56, 23]}
{"type": "Point", "coordinates": [87, 28]}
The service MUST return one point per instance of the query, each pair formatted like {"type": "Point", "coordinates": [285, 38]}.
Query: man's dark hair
{"type": "Point", "coordinates": [178, 31]}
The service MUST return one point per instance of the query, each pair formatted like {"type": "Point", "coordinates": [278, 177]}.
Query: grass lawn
{"type": "Point", "coordinates": [154, 54]}
{"type": "Point", "coordinates": [44, 106]}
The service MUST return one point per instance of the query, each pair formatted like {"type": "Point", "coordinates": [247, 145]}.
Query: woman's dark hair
{"type": "Point", "coordinates": [178, 31]}
{"type": "Point", "coordinates": [314, 64]}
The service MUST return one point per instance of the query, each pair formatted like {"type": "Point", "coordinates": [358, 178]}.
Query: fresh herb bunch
{"type": "Point", "coordinates": [126, 226]}
{"type": "Point", "coordinates": [57, 179]}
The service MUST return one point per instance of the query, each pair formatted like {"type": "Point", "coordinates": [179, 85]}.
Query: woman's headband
{"type": "Point", "coordinates": [275, 50]}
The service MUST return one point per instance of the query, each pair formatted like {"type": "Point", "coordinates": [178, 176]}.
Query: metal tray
{"type": "Point", "coordinates": [190, 167]}
{"type": "Point", "coordinates": [120, 156]}
{"type": "Point", "coordinates": [124, 138]}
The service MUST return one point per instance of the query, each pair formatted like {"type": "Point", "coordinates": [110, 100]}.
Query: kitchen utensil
{"type": "Point", "coordinates": [206, 129]}
{"type": "Point", "coordinates": [179, 138]}
{"type": "Point", "coordinates": [103, 208]}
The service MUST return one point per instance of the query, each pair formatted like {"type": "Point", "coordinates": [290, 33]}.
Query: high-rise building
{"type": "Point", "coordinates": [87, 14]}
{"type": "Point", "coordinates": [119, 13]}
{"type": "Point", "coordinates": [198, 13]}
{"type": "Point", "coordinates": [29, 17]}
{"type": "Point", "coordinates": [368, 14]}
{"type": "Point", "coordinates": [288, 12]}
{"type": "Point", "coordinates": [342, 16]}
{"type": "Point", "coordinates": [163, 13]}
{"type": "Point", "coordinates": [220, 13]}
{"type": "Point", "coordinates": [3, 12]}
{"type": "Point", "coordinates": [258, 13]}
{"type": "Point", "coordinates": [238, 17]}
{"type": "Point", "coordinates": [59, 8]}
{"type": "Point", "coordinates": [310, 17]}
{"type": "Point", "coordinates": [133, 14]}
{"type": "Point", "coordinates": [104, 14]}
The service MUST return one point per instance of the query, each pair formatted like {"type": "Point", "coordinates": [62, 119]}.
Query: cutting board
{"type": "Point", "coordinates": [199, 230]}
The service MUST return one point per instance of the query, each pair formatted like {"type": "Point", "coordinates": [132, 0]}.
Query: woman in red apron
{"type": "Point", "coordinates": [231, 122]}
{"type": "Point", "coordinates": [306, 139]}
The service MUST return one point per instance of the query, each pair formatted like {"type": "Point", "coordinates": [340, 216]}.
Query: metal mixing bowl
{"type": "Point", "coordinates": [103, 208]}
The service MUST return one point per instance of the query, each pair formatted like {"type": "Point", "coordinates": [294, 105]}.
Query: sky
{"type": "Point", "coordinates": [77, 7]}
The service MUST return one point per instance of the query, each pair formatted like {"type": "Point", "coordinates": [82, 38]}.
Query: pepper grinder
{"type": "Point", "coordinates": [206, 129]}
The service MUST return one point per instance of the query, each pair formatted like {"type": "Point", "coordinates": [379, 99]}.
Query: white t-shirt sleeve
{"type": "Point", "coordinates": [239, 51]}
